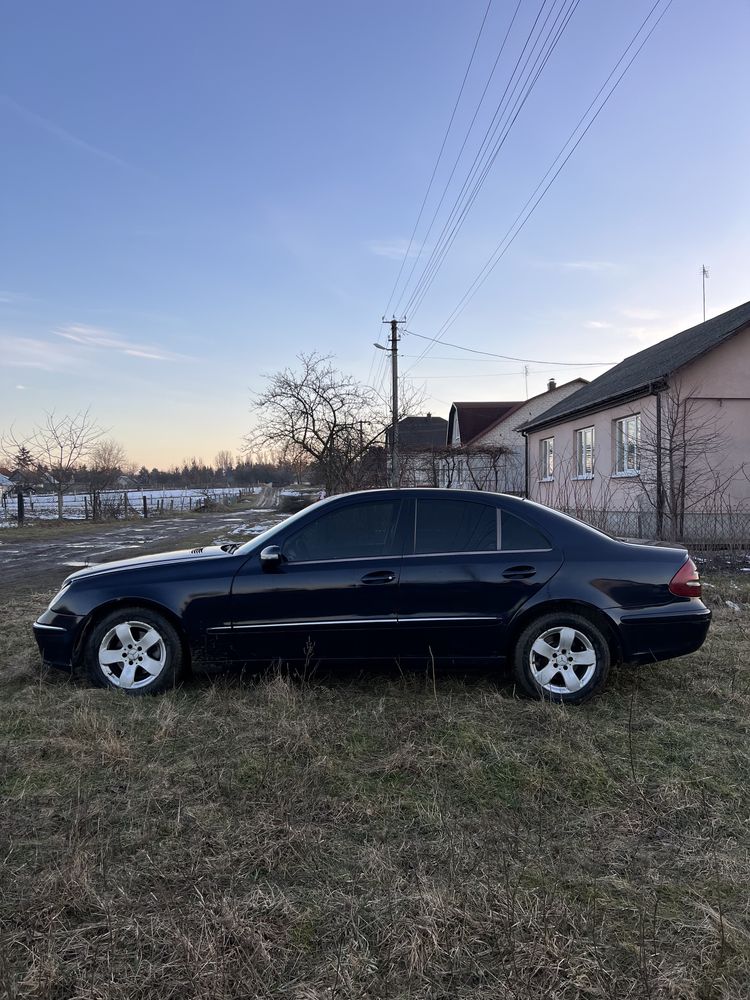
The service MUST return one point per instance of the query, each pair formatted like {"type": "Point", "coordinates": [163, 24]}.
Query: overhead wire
{"type": "Point", "coordinates": [517, 91]}
{"type": "Point", "coordinates": [460, 151]}
{"type": "Point", "coordinates": [510, 357]}
{"type": "Point", "coordinates": [561, 158]}
{"type": "Point", "coordinates": [439, 157]}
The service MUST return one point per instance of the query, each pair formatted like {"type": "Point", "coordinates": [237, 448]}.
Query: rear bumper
{"type": "Point", "coordinates": [653, 634]}
{"type": "Point", "coordinates": [57, 636]}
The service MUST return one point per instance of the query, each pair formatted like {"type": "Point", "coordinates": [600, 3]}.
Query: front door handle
{"type": "Point", "coordinates": [379, 576]}
{"type": "Point", "coordinates": [519, 572]}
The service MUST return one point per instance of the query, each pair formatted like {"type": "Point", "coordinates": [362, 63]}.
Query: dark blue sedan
{"type": "Point", "coordinates": [396, 574]}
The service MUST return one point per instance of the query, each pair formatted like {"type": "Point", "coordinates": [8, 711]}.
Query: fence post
{"type": "Point", "coordinates": [21, 512]}
{"type": "Point", "coordinates": [85, 507]}
{"type": "Point", "coordinates": [145, 509]}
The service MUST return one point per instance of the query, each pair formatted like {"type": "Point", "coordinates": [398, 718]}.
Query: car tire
{"type": "Point", "coordinates": [135, 650]}
{"type": "Point", "coordinates": [562, 657]}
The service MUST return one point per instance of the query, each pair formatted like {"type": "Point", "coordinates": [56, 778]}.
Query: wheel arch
{"type": "Point", "coordinates": [594, 614]}
{"type": "Point", "coordinates": [101, 610]}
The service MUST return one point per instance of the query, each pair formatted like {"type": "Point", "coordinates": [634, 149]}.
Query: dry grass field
{"type": "Point", "coordinates": [379, 836]}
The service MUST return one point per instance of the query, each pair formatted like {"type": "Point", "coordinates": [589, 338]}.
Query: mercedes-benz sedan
{"type": "Point", "coordinates": [395, 574]}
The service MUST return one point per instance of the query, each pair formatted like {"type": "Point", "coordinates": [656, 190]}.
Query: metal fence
{"type": "Point", "coordinates": [699, 529]}
{"type": "Point", "coordinates": [114, 504]}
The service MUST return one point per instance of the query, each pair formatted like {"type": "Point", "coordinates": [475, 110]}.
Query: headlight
{"type": "Point", "coordinates": [59, 595]}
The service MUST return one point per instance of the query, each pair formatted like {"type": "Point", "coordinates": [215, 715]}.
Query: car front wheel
{"type": "Point", "coordinates": [562, 657]}
{"type": "Point", "coordinates": [134, 649]}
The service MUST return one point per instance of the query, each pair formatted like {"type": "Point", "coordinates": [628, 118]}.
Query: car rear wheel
{"type": "Point", "coordinates": [562, 657]}
{"type": "Point", "coordinates": [134, 649]}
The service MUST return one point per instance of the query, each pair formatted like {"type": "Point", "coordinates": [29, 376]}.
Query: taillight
{"type": "Point", "coordinates": [686, 582]}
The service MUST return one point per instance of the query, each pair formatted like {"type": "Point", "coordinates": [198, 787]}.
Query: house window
{"type": "Point", "coordinates": [585, 453]}
{"type": "Point", "coordinates": [627, 445]}
{"type": "Point", "coordinates": [547, 458]}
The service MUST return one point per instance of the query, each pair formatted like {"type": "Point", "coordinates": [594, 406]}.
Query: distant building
{"type": "Point", "coordinates": [486, 450]}
{"type": "Point", "coordinates": [421, 443]}
{"type": "Point", "coordinates": [659, 445]}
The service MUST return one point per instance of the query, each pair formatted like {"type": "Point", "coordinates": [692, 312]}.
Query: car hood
{"type": "Point", "coordinates": [159, 559]}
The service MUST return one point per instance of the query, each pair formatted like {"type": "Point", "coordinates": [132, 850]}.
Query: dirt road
{"type": "Point", "coordinates": [39, 561]}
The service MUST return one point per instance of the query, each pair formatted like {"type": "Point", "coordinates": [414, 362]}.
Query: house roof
{"type": "Point", "coordinates": [475, 418]}
{"type": "Point", "coordinates": [421, 433]}
{"type": "Point", "coordinates": [4, 481]}
{"type": "Point", "coordinates": [638, 372]}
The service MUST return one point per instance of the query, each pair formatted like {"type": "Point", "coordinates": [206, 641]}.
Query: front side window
{"type": "Point", "coordinates": [455, 526]}
{"type": "Point", "coordinates": [547, 457]}
{"type": "Point", "coordinates": [362, 531]}
{"type": "Point", "coordinates": [585, 452]}
{"type": "Point", "coordinates": [627, 445]}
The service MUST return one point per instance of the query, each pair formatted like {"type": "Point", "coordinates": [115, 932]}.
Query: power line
{"type": "Point", "coordinates": [439, 157]}
{"type": "Point", "coordinates": [462, 147]}
{"type": "Point", "coordinates": [515, 95]}
{"type": "Point", "coordinates": [509, 357]}
{"type": "Point", "coordinates": [521, 219]}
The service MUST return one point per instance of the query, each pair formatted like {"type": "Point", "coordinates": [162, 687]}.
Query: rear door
{"type": "Point", "coordinates": [470, 567]}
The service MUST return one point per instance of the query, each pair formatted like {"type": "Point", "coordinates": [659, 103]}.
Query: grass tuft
{"type": "Point", "coordinates": [387, 835]}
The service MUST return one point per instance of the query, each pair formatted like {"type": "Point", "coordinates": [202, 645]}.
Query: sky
{"type": "Point", "coordinates": [192, 194]}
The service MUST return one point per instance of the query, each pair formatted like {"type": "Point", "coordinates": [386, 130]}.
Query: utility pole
{"type": "Point", "coordinates": [393, 351]}
{"type": "Point", "coordinates": [704, 275]}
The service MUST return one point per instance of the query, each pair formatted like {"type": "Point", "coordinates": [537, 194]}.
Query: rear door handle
{"type": "Point", "coordinates": [379, 576]}
{"type": "Point", "coordinates": [519, 572]}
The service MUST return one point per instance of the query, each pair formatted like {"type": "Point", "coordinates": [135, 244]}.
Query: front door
{"type": "Point", "coordinates": [335, 593]}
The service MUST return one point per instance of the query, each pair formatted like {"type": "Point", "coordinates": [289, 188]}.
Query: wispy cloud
{"type": "Point", "coordinates": [597, 324]}
{"type": "Point", "coordinates": [394, 249]}
{"type": "Point", "coordinates": [59, 132]}
{"type": "Point", "coordinates": [10, 298]}
{"type": "Point", "coordinates": [34, 352]}
{"type": "Point", "coordinates": [586, 265]}
{"type": "Point", "coordinates": [642, 315]}
{"type": "Point", "coordinates": [99, 339]}
{"type": "Point", "coordinates": [20, 387]}
{"type": "Point", "coordinates": [583, 266]}
{"type": "Point", "coordinates": [75, 347]}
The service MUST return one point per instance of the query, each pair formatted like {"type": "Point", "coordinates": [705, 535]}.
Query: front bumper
{"type": "Point", "coordinates": [57, 637]}
{"type": "Point", "coordinates": [652, 634]}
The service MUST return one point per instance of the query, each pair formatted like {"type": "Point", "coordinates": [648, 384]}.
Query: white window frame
{"type": "Point", "coordinates": [627, 444]}
{"type": "Point", "coordinates": [547, 459]}
{"type": "Point", "coordinates": [584, 452]}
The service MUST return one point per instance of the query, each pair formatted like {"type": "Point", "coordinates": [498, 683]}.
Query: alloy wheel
{"type": "Point", "coordinates": [562, 660]}
{"type": "Point", "coordinates": [132, 655]}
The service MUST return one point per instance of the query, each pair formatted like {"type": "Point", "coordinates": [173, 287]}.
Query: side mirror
{"type": "Point", "coordinates": [271, 557]}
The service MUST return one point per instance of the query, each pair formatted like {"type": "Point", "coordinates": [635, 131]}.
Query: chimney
{"type": "Point", "coordinates": [551, 385]}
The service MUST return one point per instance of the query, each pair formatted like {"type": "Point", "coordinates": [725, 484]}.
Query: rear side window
{"type": "Point", "coordinates": [361, 531]}
{"type": "Point", "coordinates": [455, 526]}
{"type": "Point", "coordinates": [519, 534]}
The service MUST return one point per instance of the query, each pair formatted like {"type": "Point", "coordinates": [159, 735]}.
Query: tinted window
{"type": "Point", "coordinates": [518, 534]}
{"type": "Point", "coordinates": [360, 531]}
{"type": "Point", "coordinates": [455, 526]}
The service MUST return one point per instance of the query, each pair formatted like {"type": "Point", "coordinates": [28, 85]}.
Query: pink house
{"type": "Point", "coordinates": [658, 446]}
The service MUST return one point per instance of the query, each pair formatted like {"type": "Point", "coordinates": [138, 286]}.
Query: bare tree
{"type": "Point", "coordinates": [60, 444]}
{"type": "Point", "coordinates": [683, 467]}
{"type": "Point", "coordinates": [325, 415]}
{"type": "Point", "coordinates": [104, 468]}
{"type": "Point", "coordinates": [224, 462]}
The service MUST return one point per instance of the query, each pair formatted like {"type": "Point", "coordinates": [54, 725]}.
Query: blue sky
{"type": "Point", "coordinates": [193, 193]}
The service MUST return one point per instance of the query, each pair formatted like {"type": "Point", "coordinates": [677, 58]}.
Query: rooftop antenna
{"type": "Point", "coordinates": [704, 275]}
